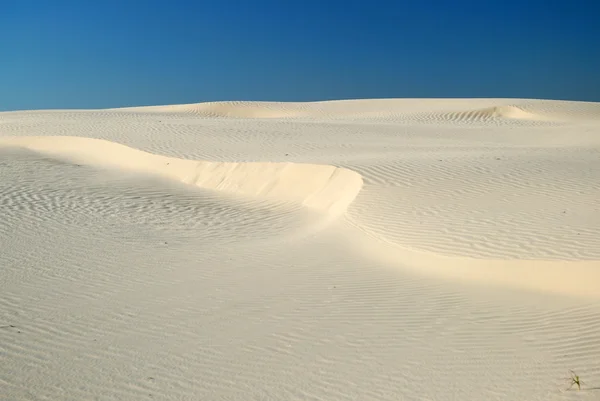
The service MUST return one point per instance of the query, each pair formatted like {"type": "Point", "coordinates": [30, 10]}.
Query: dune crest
{"type": "Point", "coordinates": [320, 187]}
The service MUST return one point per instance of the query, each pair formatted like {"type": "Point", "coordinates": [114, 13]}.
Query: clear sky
{"type": "Point", "coordinates": [109, 53]}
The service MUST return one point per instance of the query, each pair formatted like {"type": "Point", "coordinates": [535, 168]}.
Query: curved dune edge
{"type": "Point", "coordinates": [323, 188]}
{"type": "Point", "coordinates": [579, 279]}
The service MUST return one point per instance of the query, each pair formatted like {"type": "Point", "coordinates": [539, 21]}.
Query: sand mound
{"type": "Point", "coordinates": [321, 187]}
{"type": "Point", "coordinates": [496, 115]}
{"type": "Point", "coordinates": [508, 112]}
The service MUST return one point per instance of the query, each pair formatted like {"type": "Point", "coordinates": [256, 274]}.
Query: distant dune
{"type": "Point", "coordinates": [466, 110]}
{"type": "Point", "coordinates": [382, 249]}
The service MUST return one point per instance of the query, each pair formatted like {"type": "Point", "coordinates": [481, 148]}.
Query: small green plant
{"type": "Point", "coordinates": [575, 380]}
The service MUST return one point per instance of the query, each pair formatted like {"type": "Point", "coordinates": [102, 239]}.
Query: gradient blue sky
{"type": "Point", "coordinates": [94, 54]}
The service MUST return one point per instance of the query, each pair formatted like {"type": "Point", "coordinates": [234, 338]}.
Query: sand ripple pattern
{"type": "Point", "coordinates": [514, 205]}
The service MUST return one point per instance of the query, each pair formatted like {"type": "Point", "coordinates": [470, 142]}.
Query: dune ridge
{"type": "Point", "coordinates": [571, 278]}
{"type": "Point", "coordinates": [325, 188]}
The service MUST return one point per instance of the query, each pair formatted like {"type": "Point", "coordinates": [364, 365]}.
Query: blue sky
{"type": "Point", "coordinates": [88, 54]}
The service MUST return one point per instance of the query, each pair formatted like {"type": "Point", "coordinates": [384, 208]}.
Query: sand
{"type": "Point", "coordinates": [391, 249]}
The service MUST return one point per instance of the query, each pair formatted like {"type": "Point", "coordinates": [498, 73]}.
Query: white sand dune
{"type": "Point", "coordinates": [324, 188]}
{"type": "Point", "coordinates": [359, 249]}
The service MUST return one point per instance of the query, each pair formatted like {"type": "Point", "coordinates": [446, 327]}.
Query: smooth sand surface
{"type": "Point", "coordinates": [391, 249]}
